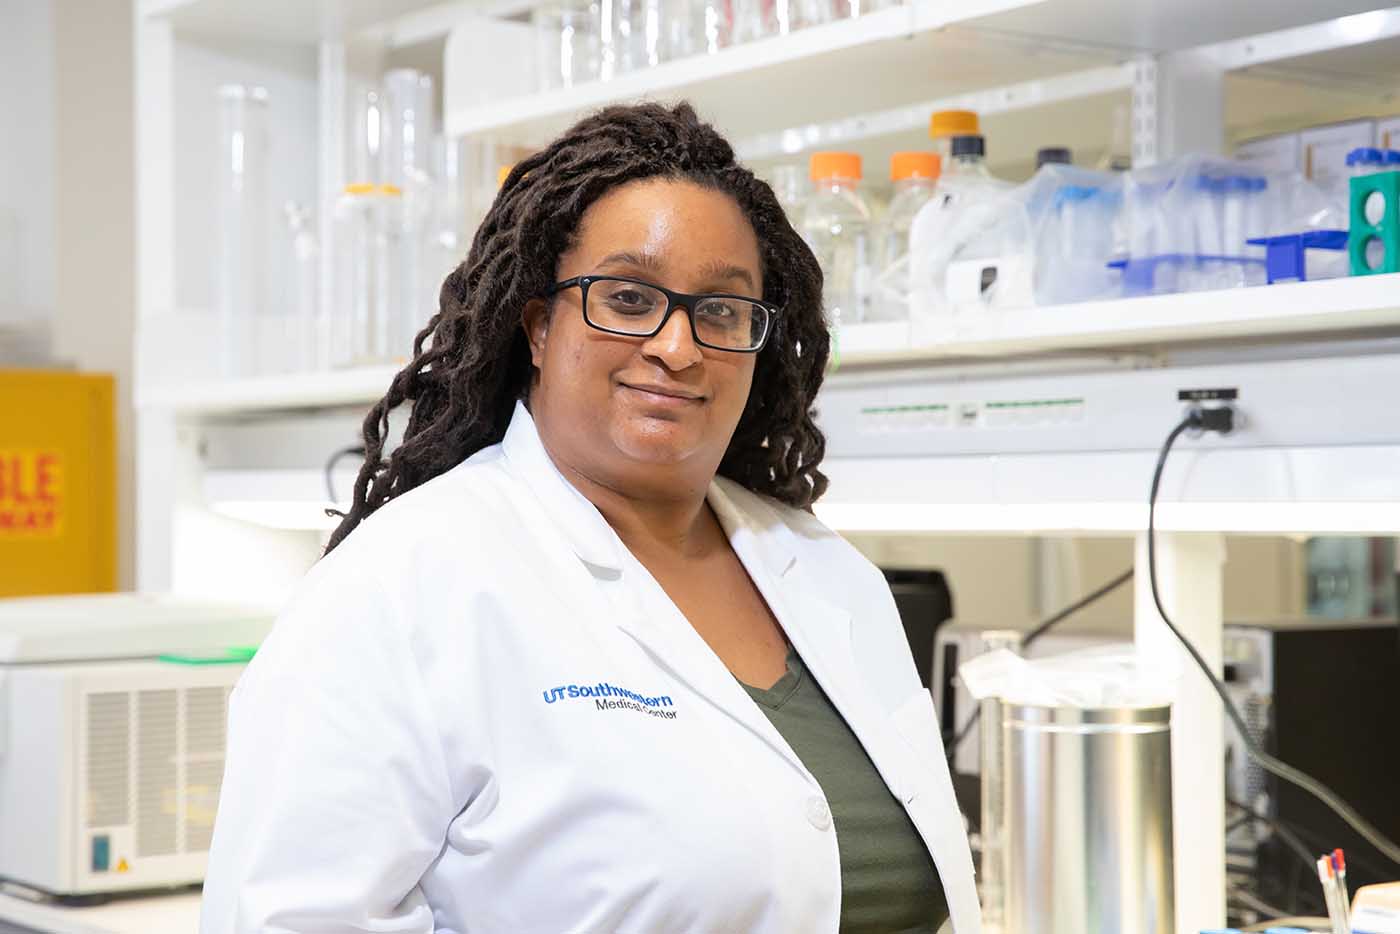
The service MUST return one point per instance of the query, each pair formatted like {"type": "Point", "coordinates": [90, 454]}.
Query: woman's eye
{"type": "Point", "coordinates": [718, 310]}
{"type": "Point", "coordinates": [630, 300]}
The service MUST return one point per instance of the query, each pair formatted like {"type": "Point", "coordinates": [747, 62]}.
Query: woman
{"type": "Point", "coordinates": [577, 658]}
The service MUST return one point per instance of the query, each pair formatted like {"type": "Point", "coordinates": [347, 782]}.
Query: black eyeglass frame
{"type": "Point", "coordinates": [673, 299]}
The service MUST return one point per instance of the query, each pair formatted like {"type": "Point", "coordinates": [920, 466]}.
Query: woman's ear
{"type": "Point", "coordinates": [535, 321]}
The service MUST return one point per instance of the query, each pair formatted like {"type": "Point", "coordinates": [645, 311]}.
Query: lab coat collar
{"type": "Point", "coordinates": [754, 528]}
{"type": "Point", "coordinates": [587, 532]}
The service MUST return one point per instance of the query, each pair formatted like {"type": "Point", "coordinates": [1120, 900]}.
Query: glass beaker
{"type": "Point", "coordinates": [567, 44]}
{"type": "Point", "coordinates": [244, 225]}
{"type": "Point", "coordinates": [409, 126]}
{"type": "Point", "coordinates": [309, 332]}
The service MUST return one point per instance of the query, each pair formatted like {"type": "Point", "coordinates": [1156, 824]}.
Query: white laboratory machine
{"type": "Point", "coordinates": [112, 720]}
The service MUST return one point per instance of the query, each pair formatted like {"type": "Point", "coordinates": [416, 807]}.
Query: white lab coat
{"type": "Point", "coordinates": [481, 714]}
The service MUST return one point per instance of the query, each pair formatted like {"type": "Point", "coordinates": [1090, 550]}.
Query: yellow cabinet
{"type": "Point", "coordinates": [58, 483]}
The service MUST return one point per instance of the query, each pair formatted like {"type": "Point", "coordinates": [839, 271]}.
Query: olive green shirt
{"type": "Point", "coordinates": [889, 883]}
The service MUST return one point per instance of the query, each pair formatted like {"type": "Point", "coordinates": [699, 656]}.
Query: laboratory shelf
{"type": "Point", "coordinates": [928, 50]}
{"type": "Point", "coordinates": [279, 21]}
{"type": "Point", "coordinates": [897, 55]}
{"type": "Point", "coordinates": [1266, 313]}
{"type": "Point", "coordinates": [360, 386]}
{"type": "Point", "coordinates": [1284, 311]}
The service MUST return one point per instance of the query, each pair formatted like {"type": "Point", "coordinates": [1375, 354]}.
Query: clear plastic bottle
{"type": "Point", "coordinates": [965, 182]}
{"type": "Point", "coordinates": [1053, 155]}
{"type": "Point", "coordinates": [1119, 155]}
{"type": "Point", "coordinates": [792, 187]}
{"type": "Point", "coordinates": [915, 175]}
{"type": "Point", "coordinates": [836, 225]}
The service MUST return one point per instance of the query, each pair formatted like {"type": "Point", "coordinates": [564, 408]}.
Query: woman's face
{"type": "Point", "coordinates": [645, 416]}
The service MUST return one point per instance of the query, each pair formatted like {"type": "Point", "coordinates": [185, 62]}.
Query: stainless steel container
{"type": "Point", "coordinates": [1088, 797]}
{"type": "Point", "coordinates": [992, 827]}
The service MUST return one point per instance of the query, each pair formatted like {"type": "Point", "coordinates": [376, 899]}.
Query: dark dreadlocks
{"type": "Point", "coordinates": [464, 385]}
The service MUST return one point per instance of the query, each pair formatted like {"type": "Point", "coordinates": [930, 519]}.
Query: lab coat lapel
{"type": "Point", "coordinates": [818, 630]}
{"type": "Point", "coordinates": [821, 633]}
{"type": "Point", "coordinates": [663, 631]}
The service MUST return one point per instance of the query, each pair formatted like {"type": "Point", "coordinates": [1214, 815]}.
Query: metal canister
{"type": "Point", "coordinates": [992, 828]}
{"type": "Point", "coordinates": [1088, 796]}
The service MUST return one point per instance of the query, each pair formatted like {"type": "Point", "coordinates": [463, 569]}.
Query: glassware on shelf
{"type": "Point", "coordinates": [754, 20]}
{"type": "Point", "coordinates": [678, 38]}
{"type": "Point", "coordinates": [244, 225]}
{"type": "Point", "coordinates": [310, 333]}
{"type": "Point", "coordinates": [409, 128]}
{"type": "Point", "coordinates": [1118, 157]}
{"type": "Point", "coordinates": [714, 26]}
{"type": "Point", "coordinates": [914, 175]}
{"type": "Point", "coordinates": [812, 13]}
{"type": "Point", "coordinates": [447, 234]}
{"type": "Point", "coordinates": [367, 228]}
{"type": "Point", "coordinates": [567, 43]}
{"type": "Point", "coordinates": [854, 9]}
{"type": "Point", "coordinates": [791, 185]}
{"type": "Point", "coordinates": [629, 36]}
{"type": "Point", "coordinates": [364, 161]}
{"type": "Point", "coordinates": [836, 225]}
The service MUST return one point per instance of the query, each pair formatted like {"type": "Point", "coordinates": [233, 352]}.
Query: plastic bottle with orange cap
{"type": "Point", "coordinates": [837, 226]}
{"type": "Point", "coordinates": [914, 176]}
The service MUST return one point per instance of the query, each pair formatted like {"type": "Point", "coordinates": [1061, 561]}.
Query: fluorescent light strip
{"type": "Point", "coordinates": [1343, 518]}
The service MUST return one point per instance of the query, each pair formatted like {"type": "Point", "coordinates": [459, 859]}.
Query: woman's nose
{"type": "Point", "coordinates": [674, 345]}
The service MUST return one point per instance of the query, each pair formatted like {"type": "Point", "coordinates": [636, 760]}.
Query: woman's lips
{"type": "Point", "coordinates": [664, 395]}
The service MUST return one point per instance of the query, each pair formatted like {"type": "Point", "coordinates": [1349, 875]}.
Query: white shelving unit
{"type": "Point", "coordinates": [1286, 311]}
{"type": "Point", "coordinates": [1039, 70]}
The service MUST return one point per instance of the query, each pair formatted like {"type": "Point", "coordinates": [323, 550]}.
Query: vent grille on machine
{"type": "Point", "coordinates": [108, 759]}
{"type": "Point", "coordinates": [205, 710]}
{"type": "Point", "coordinates": [157, 807]}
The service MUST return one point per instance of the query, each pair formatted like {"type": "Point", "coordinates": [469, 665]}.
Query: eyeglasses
{"type": "Point", "coordinates": [633, 308]}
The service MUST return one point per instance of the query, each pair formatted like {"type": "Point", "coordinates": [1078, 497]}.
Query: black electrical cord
{"type": "Point", "coordinates": [336, 458]}
{"type": "Point", "coordinates": [1040, 630]}
{"type": "Point", "coordinates": [1221, 419]}
{"type": "Point", "coordinates": [1289, 838]}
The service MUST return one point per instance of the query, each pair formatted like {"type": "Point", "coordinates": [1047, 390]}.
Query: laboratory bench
{"type": "Point", "coordinates": [163, 913]}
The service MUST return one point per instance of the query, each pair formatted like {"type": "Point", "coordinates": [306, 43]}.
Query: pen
{"type": "Point", "coordinates": [1339, 872]}
{"type": "Point", "coordinates": [1329, 894]}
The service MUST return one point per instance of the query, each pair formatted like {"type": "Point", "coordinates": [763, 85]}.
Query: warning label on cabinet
{"type": "Point", "coordinates": [31, 493]}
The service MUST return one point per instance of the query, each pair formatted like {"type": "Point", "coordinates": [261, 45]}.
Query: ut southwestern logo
{"type": "Point", "coordinates": [608, 697]}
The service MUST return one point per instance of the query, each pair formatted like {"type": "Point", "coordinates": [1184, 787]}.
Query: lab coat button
{"type": "Point", "coordinates": [818, 813]}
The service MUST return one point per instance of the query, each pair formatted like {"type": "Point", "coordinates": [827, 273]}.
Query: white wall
{"type": "Point", "coordinates": [26, 157]}
{"type": "Point", "coordinates": [94, 213]}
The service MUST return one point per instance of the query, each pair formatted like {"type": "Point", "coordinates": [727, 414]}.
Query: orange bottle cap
{"type": "Point", "coordinates": [953, 123]}
{"type": "Point", "coordinates": [827, 165]}
{"type": "Point", "coordinates": [914, 165]}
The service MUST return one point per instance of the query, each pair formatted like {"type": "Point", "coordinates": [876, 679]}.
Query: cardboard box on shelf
{"type": "Point", "coordinates": [1280, 153]}
{"type": "Point", "coordinates": [1388, 133]}
{"type": "Point", "coordinates": [1325, 149]}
